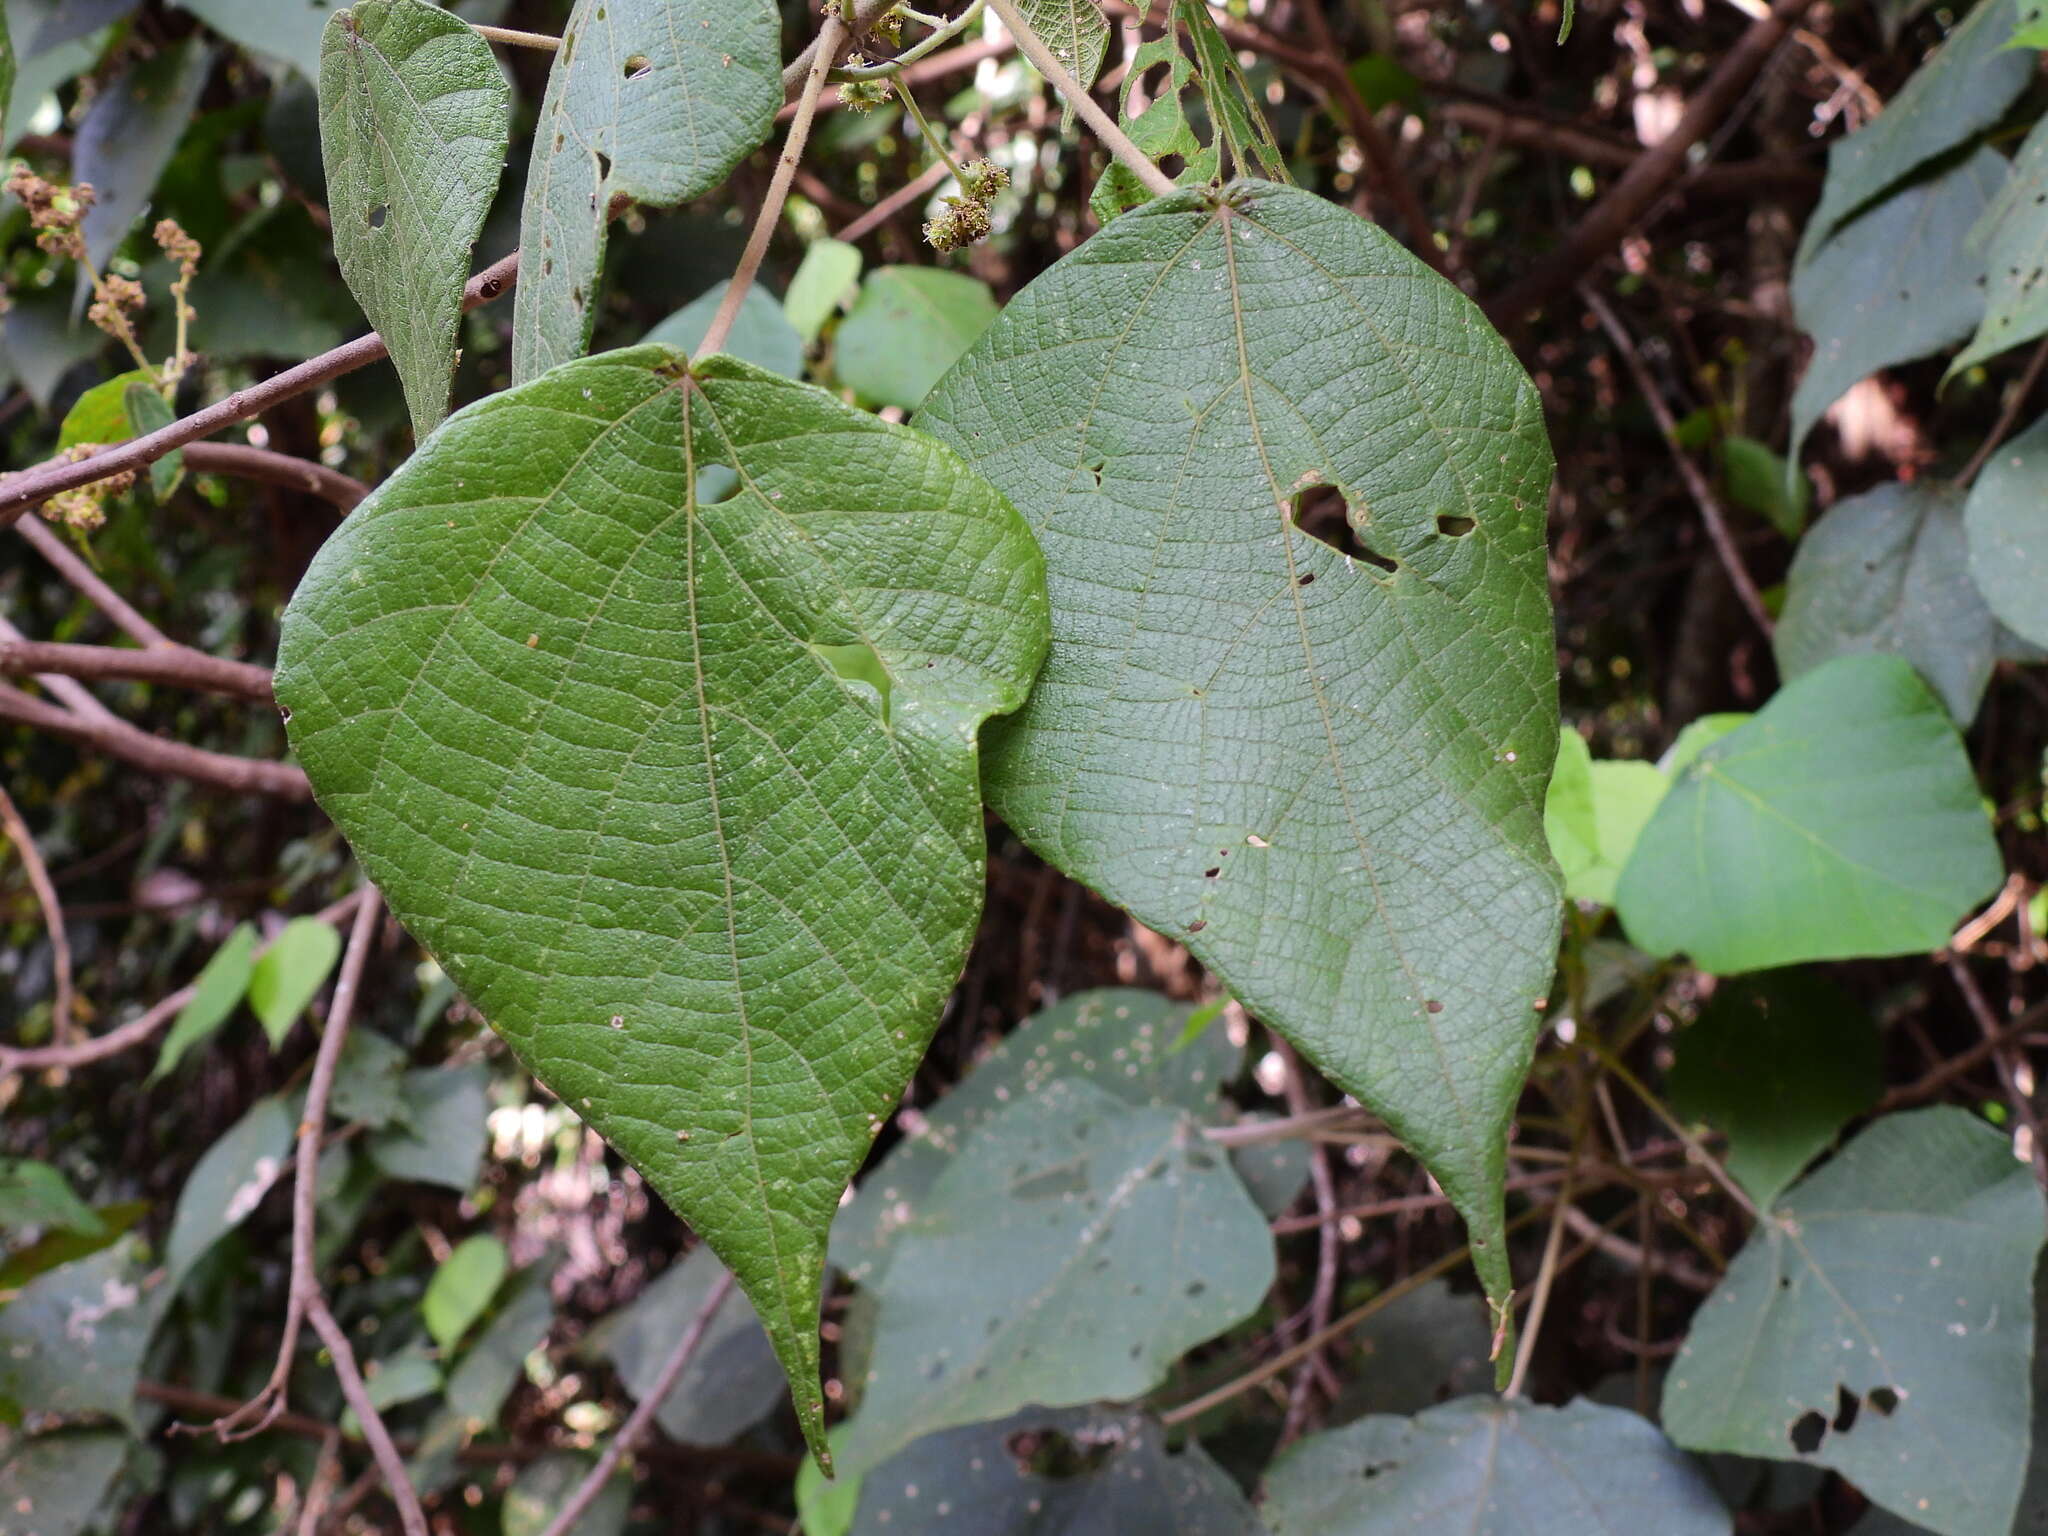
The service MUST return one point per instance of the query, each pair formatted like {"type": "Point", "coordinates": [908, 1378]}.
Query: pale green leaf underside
{"type": "Point", "coordinates": [653, 100]}
{"type": "Point", "coordinates": [288, 30]}
{"type": "Point", "coordinates": [1075, 30]}
{"type": "Point", "coordinates": [1888, 571]}
{"type": "Point", "coordinates": [592, 740]}
{"type": "Point", "coordinates": [1904, 1269]}
{"type": "Point", "coordinates": [1488, 1467]}
{"type": "Point", "coordinates": [2012, 241]}
{"type": "Point", "coordinates": [1842, 821]}
{"type": "Point", "coordinates": [414, 118]}
{"type": "Point", "coordinates": [1327, 781]}
{"type": "Point", "coordinates": [2006, 524]}
{"type": "Point", "coordinates": [1076, 1248]}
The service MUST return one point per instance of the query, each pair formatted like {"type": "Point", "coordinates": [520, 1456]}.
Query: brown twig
{"type": "Point", "coordinates": [53, 915]}
{"type": "Point", "coordinates": [2003, 1054]}
{"type": "Point", "coordinates": [903, 197]}
{"type": "Point", "coordinates": [64, 559]}
{"type": "Point", "coordinates": [1323, 1296]}
{"type": "Point", "coordinates": [1711, 513]}
{"type": "Point", "coordinates": [636, 1426]}
{"type": "Point", "coordinates": [938, 67]}
{"type": "Point", "coordinates": [178, 666]}
{"type": "Point", "coordinates": [117, 738]}
{"type": "Point", "coordinates": [243, 461]}
{"type": "Point", "coordinates": [389, 1462]}
{"type": "Point", "coordinates": [2015, 399]}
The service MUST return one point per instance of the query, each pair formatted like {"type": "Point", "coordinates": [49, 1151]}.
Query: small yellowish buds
{"type": "Point", "coordinates": [983, 179]}
{"type": "Point", "coordinates": [863, 95]}
{"type": "Point", "coordinates": [963, 222]}
{"type": "Point", "coordinates": [54, 212]}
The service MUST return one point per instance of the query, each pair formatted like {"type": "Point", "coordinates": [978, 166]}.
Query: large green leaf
{"type": "Point", "coordinates": [653, 100]}
{"type": "Point", "coordinates": [1902, 283]}
{"type": "Point", "coordinates": [1888, 571]}
{"type": "Point", "coordinates": [2006, 523]}
{"type": "Point", "coordinates": [909, 325]}
{"type": "Point", "coordinates": [1842, 821]}
{"type": "Point", "coordinates": [1780, 1062]}
{"type": "Point", "coordinates": [1492, 1467]}
{"type": "Point", "coordinates": [414, 119]}
{"type": "Point", "coordinates": [684, 796]}
{"type": "Point", "coordinates": [288, 30]}
{"type": "Point", "coordinates": [1881, 1322]}
{"type": "Point", "coordinates": [1325, 777]}
{"type": "Point", "coordinates": [128, 136]}
{"type": "Point", "coordinates": [1076, 1248]}
{"type": "Point", "coordinates": [1955, 95]}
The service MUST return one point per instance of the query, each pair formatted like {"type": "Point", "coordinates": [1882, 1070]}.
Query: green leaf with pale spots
{"type": "Point", "coordinates": [414, 119]}
{"type": "Point", "coordinates": [60, 1477]}
{"type": "Point", "coordinates": [2012, 241]}
{"type": "Point", "coordinates": [1880, 1322]}
{"type": "Point", "coordinates": [651, 100]}
{"type": "Point", "coordinates": [1324, 776]}
{"type": "Point", "coordinates": [683, 795]}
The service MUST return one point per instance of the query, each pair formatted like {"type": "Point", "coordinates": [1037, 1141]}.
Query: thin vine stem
{"type": "Point", "coordinates": [516, 38]}
{"type": "Point", "coordinates": [947, 31]}
{"type": "Point", "coordinates": [931, 136]}
{"type": "Point", "coordinates": [1104, 127]}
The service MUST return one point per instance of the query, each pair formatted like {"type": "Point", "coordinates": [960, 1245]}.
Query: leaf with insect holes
{"type": "Point", "coordinates": [652, 100]}
{"type": "Point", "coordinates": [2006, 523]}
{"type": "Point", "coordinates": [1320, 768]}
{"type": "Point", "coordinates": [1880, 1322]}
{"type": "Point", "coordinates": [414, 119]}
{"type": "Point", "coordinates": [1077, 33]}
{"type": "Point", "coordinates": [682, 792]}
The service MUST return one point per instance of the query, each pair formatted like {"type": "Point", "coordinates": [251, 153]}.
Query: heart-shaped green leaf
{"type": "Point", "coordinates": [684, 794]}
{"type": "Point", "coordinates": [1322, 769]}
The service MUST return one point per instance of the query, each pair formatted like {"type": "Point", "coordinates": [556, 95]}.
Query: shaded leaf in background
{"type": "Point", "coordinates": [1901, 283]}
{"type": "Point", "coordinates": [1955, 95]}
{"type": "Point", "coordinates": [285, 30]}
{"type": "Point", "coordinates": [34, 1194]}
{"type": "Point", "coordinates": [369, 1080]}
{"type": "Point", "coordinates": [1880, 1322]}
{"type": "Point", "coordinates": [1760, 481]}
{"type": "Point", "coordinates": [1052, 1472]}
{"type": "Point", "coordinates": [731, 1382]}
{"type": "Point", "coordinates": [269, 291]}
{"type": "Point", "coordinates": [287, 974]}
{"type": "Point", "coordinates": [543, 1487]}
{"type": "Point", "coordinates": [909, 325]}
{"type": "Point", "coordinates": [1274, 1173]}
{"type": "Point", "coordinates": [37, 71]}
{"type": "Point", "coordinates": [2006, 523]}
{"type": "Point", "coordinates": [128, 136]}
{"type": "Point", "coordinates": [148, 411]}
{"type": "Point", "coordinates": [652, 100]}
{"type": "Point", "coordinates": [395, 1380]}
{"type": "Point", "coordinates": [1123, 1040]}
{"type": "Point", "coordinates": [227, 1183]}
{"type": "Point", "coordinates": [65, 1246]}
{"type": "Point", "coordinates": [1888, 571]}
{"type": "Point", "coordinates": [57, 1479]}
{"type": "Point", "coordinates": [1073, 1251]}
{"type": "Point", "coordinates": [1432, 1345]}
{"type": "Point", "coordinates": [483, 1378]}
{"type": "Point", "coordinates": [1324, 777]}
{"type": "Point", "coordinates": [462, 1288]}
{"type": "Point", "coordinates": [1492, 1467]}
{"type": "Point", "coordinates": [2012, 237]}
{"type": "Point", "coordinates": [40, 344]}
{"type": "Point", "coordinates": [828, 276]}
{"type": "Point", "coordinates": [217, 992]}
{"type": "Point", "coordinates": [72, 1340]}
{"type": "Point", "coordinates": [711, 853]}
{"type": "Point", "coordinates": [100, 415]}
{"type": "Point", "coordinates": [439, 1135]}
{"type": "Point", "coordinates": [1780, 1062]}
{"type": "Point", "coordinates": [7, 66]}
{"type": "Point", "coordinates": [69, 20]}
{"type": "Point", "coordinates": [1593, 814]}
{"type": "Point", "coordinates": [414, 120]}
{"type": "Point", "coordinates": [761, 333]}
{"type": "Point", "coordinates": [1843, 820]}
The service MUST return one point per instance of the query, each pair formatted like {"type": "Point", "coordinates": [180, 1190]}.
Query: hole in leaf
{"type": "Point", "coordinates": [1173, 165]}
{"type": "Point", "coordinates": [638, 66]}
{"type": "Point", "coordinates": [1306, 578]}
{"type": "Point", "coordinates": [604, 166]}
{"type": "Point", "coordinates": [378, 215]}
{"type": "Point", "coordinates": [862, 671]}
{"type": "Point", "coordinates": [1807, 1433]}
{"type": "Point", "coordinates": [1846, 1404]}
{"type": "Point", "coordinates": [1884, 1402]}
{"type": "Point", "coordinates": [1054, 1457]}
{"type": "Point", "coordinates": [1321, 512]}
{"type": "Point", "coordinates": [1452, 526]}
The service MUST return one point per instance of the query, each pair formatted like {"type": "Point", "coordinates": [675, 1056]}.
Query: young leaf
{"type": "Point", "coordinates": [683, 795]}
{"type": "Point", "coordinates": [1593, 814]}
{"type": "Point", "coordinates": [827, 275]}
{"type": "Point", "coordinates": [731, 1382]}
{"type": "Point", "coordinates": [652, 100]}
{"type": "Point", "coordinates": [2006, 523]}
{"type": "Point", "coordinates": [227, 1184]}
{"type": "Point", "coordinates": [1076, 1248]}
{"type": "Point", "coordinates": [462, 1288]}
{"type": "Point", "coordinates": [1322, 775]}
{"type": "Point", "coordinates": [1842, 821]}
{"type": "Point", "coordinates": [414, 120]}
{"type": "Point", "coordinates": [1781, 1062]}
{"type": "Point", "coordinates": [1881, 1322]}
{"type": "Point", "coordinates": [1902, 283]}
{"type": "Point", "coordinates": [1888, 571]}
{"type": "Point", "coordinates": [1492, 1467]}
{"type": "Point", "coordinates": [216, 994]}
{"type": "Point", "coordinates": [128, 136]}
{"type": "Point", "coordinates": [284, 980]}
{"type": "Point", "coordinates": [908, 327]}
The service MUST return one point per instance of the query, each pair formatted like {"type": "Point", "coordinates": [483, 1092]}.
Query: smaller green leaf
{"type": "Point", "coordinates": [148, 411]}
{"type": "Point", "coordinates": [2012, 238]}
{"type": "Point", "coordinates": [34, 1194]}
{"type": "Point", "coordinates": [369, 1080]}
{"type": "Point", "coordinates": [2006, 523]}
{"type": "Point", "coordinates": [462, 1288]}
{"type": "Point", "coordinates": [1764, 483]}
{"type": "Point", "coordinates": [733, 1380]}
{"type": "Point", "coordinates": [63, 1476]}
{"type": "Point", "coordinates": [72, 1340]}
{"type": "Point", "coordinates": [228, 1183]}
{"type": "Point", "coordinates": [216, 994]}
{"type": "Point", "coordinates": [826, 1506]}
{"type": "Point", "coordinates": [1780, 1062]}
{"type": "Point", "coordinates": [439, 1136]}
{"type": "Point", "coordinates": [1697, 737]}
{"type": "Point", "coordinates": [828, 276]}
{"type": "Point", "coordinates": [543, 1487]}
{"type": "Point", "coordinates": [100, 415]}
{"type": "Point", "coordinates": [908, 327]}
{"type": "Point", "coordinates": [398, 1379]}
{"type": "Point", "coordinates": [1432, 1345]}
{"type": "Point", "coordinates": [1843, 821]}
{"type": "Point", "coordinates": [1593, 814]}
{"type": "Point", "coordinates": [128, 136]}
{"type": "Point", "coordinates": [1492, 1467]}
{"type": "Point", "coordinates": [761, 335]}
{"type": "Point", "coordinates": [483, 1378]}
{"type": "Point", "coordinates": [290, 972]}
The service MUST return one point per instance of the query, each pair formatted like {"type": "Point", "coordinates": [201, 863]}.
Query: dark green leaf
{"type": "Point", "coordinates": [7, 67]}
{"type": "Point", "coordinates": [128, 136]}
{"type": "Point", "coordinates": [1881, 1322]}
{"type": "Point", "coordinates": [1431, 1345]}
{"type": "Point", "coordinates": [369, 1081]}
{"type": "Point", "coordinates": [53, 1484]}
{"type": "Point", "coordinates": [462, 1288]}
{"type": "Point", "coordinates": [216, 994]}
{"type": "Point", "coordinates": [1888, 571]}
{"type": "Point", "coordinates": [761, 334]}
{"type": "Point", "coordinates": [1780, 1062]}
{"type": "Point", "coordinates": [34, 1194]}
{"type": "Point", "coordinates": [414, 117]}
{"type": "Point", "coordinates": [652, 100]}
{"type": "Point", "coordinates": [710, 852]}
{"type": "Point", "coordinates": [1843, 820]}
{"type": "Point", "coordinates": [908, 327]}
{"type": "Point", "coordinates": [2006, 523]}
{"type": "Point", "coordinates": [440, 1132]}
{"type": "Point", "coordinates": [731, 1382]}
{"type": "Point", "coordinates": [72, 1340]}
{"type": "Point", "coordinates": [1331, 793]}
{"type": "Point", "coordinates": [228, 1183]}
{"type": "Point", "coordinates": [286, 976]}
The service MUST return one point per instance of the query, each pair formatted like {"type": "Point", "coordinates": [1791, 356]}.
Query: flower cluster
{"type": "Point", "coordinates": [965, 220]}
